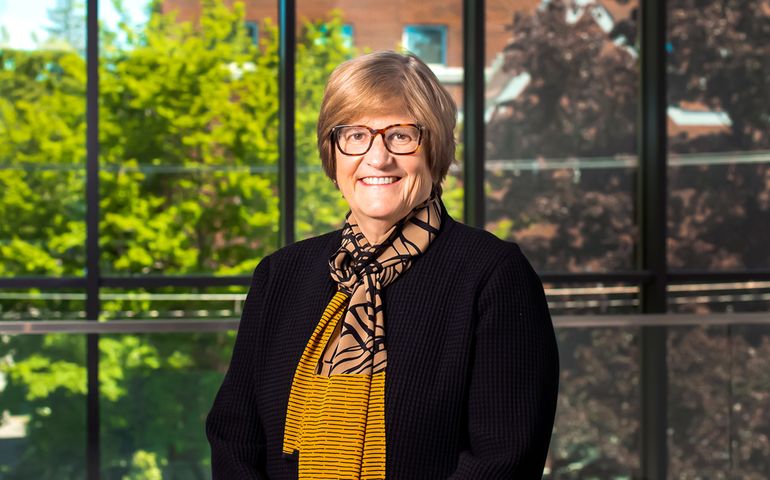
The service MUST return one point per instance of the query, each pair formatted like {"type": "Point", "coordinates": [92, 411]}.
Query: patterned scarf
{"type": "Point", "coordinates": [336, 413]}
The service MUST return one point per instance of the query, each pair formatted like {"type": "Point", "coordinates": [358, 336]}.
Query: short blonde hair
{"type": "Point", "coordinates": [385, 82]}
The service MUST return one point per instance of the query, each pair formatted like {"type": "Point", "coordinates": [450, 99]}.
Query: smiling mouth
{"type": "Point", "coordinates": [380, 180]}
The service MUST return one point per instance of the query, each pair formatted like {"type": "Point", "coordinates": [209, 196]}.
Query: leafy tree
{"type": "Point", "coordinates": [580, 102]}
{"type": "Point", "coordinates": [719, 54]}
{"type": "Point", "coordinates": [188, 144]}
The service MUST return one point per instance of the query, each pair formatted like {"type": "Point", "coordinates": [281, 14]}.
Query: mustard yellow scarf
{"type": "Point", "coordinates": [335, 419]}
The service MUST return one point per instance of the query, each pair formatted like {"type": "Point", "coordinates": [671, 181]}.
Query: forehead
{"type": "Point", "coordinates": [382, 121]}
{"type": "Point", "coordinates": [377, 109]}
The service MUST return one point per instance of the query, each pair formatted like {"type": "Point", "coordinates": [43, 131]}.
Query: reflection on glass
{"type": "Point", "coordinates": [42, 138]}
{"type": "Point", "coordinates": [42, 407]}
{"type": "Point", "coordinates": [188, 141]}
{"type": "Point", "coordinates": [596, 431]}
{"type": "Point", "coordinates": [718, 135]}
{"type": "Point", "coordinates": [560, 129]}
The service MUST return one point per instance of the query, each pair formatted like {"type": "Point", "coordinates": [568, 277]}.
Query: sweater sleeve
{"type": "Point", "coordinates": [233, 427]}
{"type": "Point", "coordinates": [514, 380]}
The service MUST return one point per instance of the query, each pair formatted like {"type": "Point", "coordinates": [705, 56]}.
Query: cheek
{"type": "Point", "coordinates": [343, 173]}
{"type": "Point", "coordinates": [423, 171]}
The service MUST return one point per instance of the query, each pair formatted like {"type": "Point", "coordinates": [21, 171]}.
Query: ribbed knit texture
{"type": "Point", "coordinates": [336, 422]}
{"type": "Point", "coordinates": [472, 373]}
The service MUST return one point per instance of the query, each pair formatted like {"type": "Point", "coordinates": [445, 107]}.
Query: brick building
{"type": "Point", "coordinates": [433, 30]}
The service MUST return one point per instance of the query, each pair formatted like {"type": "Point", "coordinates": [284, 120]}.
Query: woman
{"type": "Point", "coordinates": [434, 356]}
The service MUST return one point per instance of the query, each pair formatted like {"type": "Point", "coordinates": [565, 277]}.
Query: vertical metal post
{"type": "Point", "coordinates": [287, 39]}
{"type": "Point", "coordinates": [473, 111]}
{"type": "Point", "coordinates": [652, 195]}
{"type": "Point", "coordinates": [92, 238]}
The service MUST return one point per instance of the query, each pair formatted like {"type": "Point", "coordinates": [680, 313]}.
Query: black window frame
{"type": "Point", "coordinates": [651, 273]}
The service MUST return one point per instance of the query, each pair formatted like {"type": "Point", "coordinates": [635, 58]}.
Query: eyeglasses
{"type": "Point", "coordinates": [399, 139]}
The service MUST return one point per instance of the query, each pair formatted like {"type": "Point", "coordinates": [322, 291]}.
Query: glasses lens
{"type": "Point", "coordinates": [402, 138]}
{"type": "Point", "coordinates": [353, 140]}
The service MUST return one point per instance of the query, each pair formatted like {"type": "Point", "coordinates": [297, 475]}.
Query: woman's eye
{"type": "Point", "coordinates": [401, 137]}
{"type": "Point", "coordinates": [356, 137]}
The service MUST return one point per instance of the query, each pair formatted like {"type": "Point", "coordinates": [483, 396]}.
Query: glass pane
{"type": "Point", "coordinates": [323, 42]}
{"type": "Point", "coordinates": [427, 42]}
{"type": "Point", "coordinates": [596, 433]}
{"type": "Point", "coordinates": [750, 388]}
{"type": "Point", "coordinates": [156, 390]}
{"type": "Point", "coordinates": [42, 138]}
{"type": "Point", "coordinates": [179, 220]}
{"type": "Point", "coordinates": [173, 303]}
{"type": "Point", "coordinates": [698, 403]}
{"type": "Point", "coordinates": [719, 386]}
{"type": "Point", "coordinates": [42, 407]}
{"type": "Point", "coordinates": [722, 297]}
{"type": "Point", "coordinates": [188, 141]}
{"type": "Point", "coordinates": [718, 140]}
{"type": "Point", "coordinates": [592, 298]}
{"type": "Point", "coordinates": [560, 131]}
{"type": "Point", "coordinates": [36, 304]}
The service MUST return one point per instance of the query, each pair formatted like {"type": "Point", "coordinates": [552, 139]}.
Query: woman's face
{"type": "Point", "coordinates": [408, 176]}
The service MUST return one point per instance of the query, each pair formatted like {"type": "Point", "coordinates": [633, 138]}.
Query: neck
{"type": "Point", "coordinates": [375, 229]}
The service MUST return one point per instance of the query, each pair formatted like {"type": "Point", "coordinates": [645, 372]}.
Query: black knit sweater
{"type": "Point", "coordinates": [472, 372]}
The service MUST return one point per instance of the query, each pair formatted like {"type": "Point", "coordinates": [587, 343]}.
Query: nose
{"type": "Point", "coordinates": [378, 155]}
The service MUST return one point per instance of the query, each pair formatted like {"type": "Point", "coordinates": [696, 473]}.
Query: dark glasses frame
{"type": "Point", "coordinates": [375, 132]}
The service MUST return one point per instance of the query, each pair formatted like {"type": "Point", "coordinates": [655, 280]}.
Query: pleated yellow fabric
{"type": "Point", "coordinates": [335, 419]}
{"type": "Point", "coordinates": [327, 415]}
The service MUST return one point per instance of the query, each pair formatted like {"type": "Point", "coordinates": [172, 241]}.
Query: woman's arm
{"type": "Point", "coordinates": [232, 426]}
{"type": "Point", "coordinates": [515, 377]}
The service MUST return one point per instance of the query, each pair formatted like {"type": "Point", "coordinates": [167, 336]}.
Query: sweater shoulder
{"type": "Point", "coordinates": [314, 248]}
{"type": "Point", "coordinates": [485, 246]}
{"type": "Point", "coordinates": [475, 254]}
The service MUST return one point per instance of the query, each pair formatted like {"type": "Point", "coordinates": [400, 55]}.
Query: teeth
{"type": "Point", "coordinates": [379, 180]}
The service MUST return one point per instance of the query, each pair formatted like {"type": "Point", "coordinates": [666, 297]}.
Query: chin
{"type": "Point", "coordinates": [380, 213]}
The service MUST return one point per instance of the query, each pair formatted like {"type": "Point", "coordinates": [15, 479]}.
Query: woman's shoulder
{"type": "Point", "coordinates": [475, 254]}
{"type": "Point", "coordinates": [489, 263]}
{"type": "Point", "coordinates": [479, 245]}
{"type": "Point", "coordinates": [313, 248]}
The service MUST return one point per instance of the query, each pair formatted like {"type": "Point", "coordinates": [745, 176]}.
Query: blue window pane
{"type": "Point", "coordinates": [252, 30]}
{"type": "Point", "coordinates": [427, 42]}
{"type": "Point", "coordinates": [347, 32]}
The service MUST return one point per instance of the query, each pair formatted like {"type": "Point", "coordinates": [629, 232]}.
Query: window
{"type": "Point", "coordinates": [427, 42]}
{"type": "Point", "coordinates": [347, 32]}
{"type": "Point", "coordinates": [252, 30]}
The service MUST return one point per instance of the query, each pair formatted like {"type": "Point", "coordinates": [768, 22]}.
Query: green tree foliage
{"type": "Point", "coordinates": [42, 154]}
{"type": "Point", "coordinates": [188, 173]}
